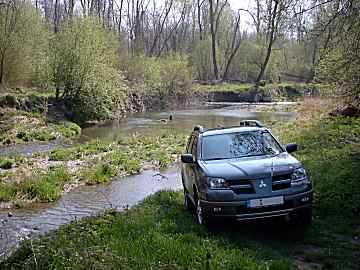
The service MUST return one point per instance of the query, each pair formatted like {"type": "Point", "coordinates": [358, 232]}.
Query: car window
{"type": "Point", "coordinates": [237, 145]}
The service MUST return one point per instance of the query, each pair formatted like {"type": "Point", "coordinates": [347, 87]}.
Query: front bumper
{"type": "Point", "coordinates": [239, 210]}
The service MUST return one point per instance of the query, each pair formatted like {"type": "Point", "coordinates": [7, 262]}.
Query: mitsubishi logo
{"type": "Point", "coordinates": [262, 184]}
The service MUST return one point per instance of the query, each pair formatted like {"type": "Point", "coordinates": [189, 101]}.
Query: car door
{"type": "Point", "coordinates": [193, 168]}
{"type": "Point", "coordinates": [186, 168]}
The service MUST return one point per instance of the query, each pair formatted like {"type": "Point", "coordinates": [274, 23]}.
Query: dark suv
{"type": "Point", "coordinates": [243, 172]}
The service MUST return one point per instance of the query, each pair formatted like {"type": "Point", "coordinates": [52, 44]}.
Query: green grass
{"type": "Point", "coordinates": [101, 162]}
{"type": "Point", "coordinates": [159, 234]}
{"type": "Point", "coordinates": [5, 163]}
{"type": "Point", "coordinates": [324, 90]}
{"type": "Point", "coordinates": [233, 87]}
{"type": "Point", "coordinates": [22, 127]}
{"type": "Point", "coordinates": [42, 186]}
{"type": "Point", "coordinates": [99, 174]}
{"type": "Point", "coordinates": [330, 150]}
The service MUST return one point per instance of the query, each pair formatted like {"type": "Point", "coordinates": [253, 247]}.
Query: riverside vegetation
{"type": "Point", "coordinates": [45, 176]}
{"type": "Point", "coordinates": [159, 233]}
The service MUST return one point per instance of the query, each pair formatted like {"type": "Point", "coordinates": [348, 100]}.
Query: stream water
{"type": "Point", "coordinates": [122, 193]}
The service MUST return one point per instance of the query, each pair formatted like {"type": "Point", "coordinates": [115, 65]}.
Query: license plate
{"type": "Point", "coordinates": [265, 202]}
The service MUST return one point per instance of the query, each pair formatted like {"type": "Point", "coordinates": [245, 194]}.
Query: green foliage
{"type": "Point", "coordinates": [5, 163]}
{"type": "Point", "coordinates": [340, 62]}
{"type": "Point", "coordinates": [23, 39]}
{"type": "Point", "coordinates": [159, 234]}
{"type": "Point", "coordinates": [201, 60]}
{"type": "Point", "coordinates": [124, 162]}
{"type": "Point", "coordinates": [101, 173]}
{"type": "Point", "coordinates": [81, 151]}
{"type": "Point", "coordinates": [329, 150]}
{"type": "Point", "coordinates": [7, 192]}
{"type": "Point", "coordinates": [167, 76]}
{"type": "Point", "coordinates": [68, 129]}
{"type": "Point", "coordinates": [45, 186]}
{"type": "Point", "coordinates": [84, 66]}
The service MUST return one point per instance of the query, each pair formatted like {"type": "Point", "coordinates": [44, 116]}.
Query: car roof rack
{"type": "Point", "coordinates": [251, 123]}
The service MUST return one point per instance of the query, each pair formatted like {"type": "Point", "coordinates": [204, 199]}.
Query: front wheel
{"type": "Point", "coordinates": [188, 204]}
{"type": "Point", "coordinates": [201, 217]}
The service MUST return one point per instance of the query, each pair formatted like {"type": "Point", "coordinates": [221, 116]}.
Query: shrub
{"type": "Point", "coordinates": [165, 76]}
{"type": "Point", "coordinates": [45, 186]}
{"type": "Point", "coordinates": [68, 129]}
{"type": "Point", "coordinates": [24, 42]}
{"type": "Point", "coordinates": [7, 192]}
{"type": "Point", "coordinates": [84, 67]}
{"type": "Point", "coordinates": [60, 154]}
{"type": "Point", "coordinates": [5, 163]}
{"type": "Point", "coordinates": [101, 173]}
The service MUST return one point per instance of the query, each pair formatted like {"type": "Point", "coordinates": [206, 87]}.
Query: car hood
{"type": "Point", "coordinates": [251, 167]}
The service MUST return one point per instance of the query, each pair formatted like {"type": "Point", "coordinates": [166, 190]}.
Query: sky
{"type": "Point", "coordinates": [236, 4]}
{"type": "Point", "coordinates": [246, 21]}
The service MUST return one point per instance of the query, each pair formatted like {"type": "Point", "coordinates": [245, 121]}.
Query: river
{"type": "Point", "coordinates": [125, 192]}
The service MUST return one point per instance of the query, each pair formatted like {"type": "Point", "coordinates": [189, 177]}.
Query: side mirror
{"type": "Point", "coordinates": [187, 158]}
{"type": "Point", "coordinates": [292, 147]}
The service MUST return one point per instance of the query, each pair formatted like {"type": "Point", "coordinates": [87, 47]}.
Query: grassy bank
{"type": "Point", "coordinates": [21, 127]}
{"type": "Point", "coordinates": [44, 177]}
{"type": "Point", "coordinates": [286, 91]}
{"type": "Point", "coordinates": [159, 234]}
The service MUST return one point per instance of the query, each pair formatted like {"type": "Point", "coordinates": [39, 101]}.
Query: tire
{"type": "Point", "coordinates": [188, 204]}
{"type": "Point", "coordinates": [201, 217]}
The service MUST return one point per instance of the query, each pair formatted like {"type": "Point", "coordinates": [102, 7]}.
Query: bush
{"type": "Point", "coordinates": [46, 187]}
{"type": "Point", "coordinates": [26, 41]}
{"type": "Point", "coordinates": [101, 173]}
{"type": "Point", "coordinates": [167, 76]}
{"type": "Point", "coordinates": [68, 129]}
{"type": "Point", "coordinates": [84, 60]}
{"type": "Point", "coordinates": [5, 163]}
{"type": "Point", "coordinates": [7, 192]}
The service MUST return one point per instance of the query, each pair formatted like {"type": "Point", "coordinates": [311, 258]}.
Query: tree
{"type": "Point", "coordinates": [215, 14]}
{"type": "Point", "coordinates": [340, 59]}
{"type": "Point", "coordinates": [84, 62]}
{"type": "Point", "coordinates": [234, 46]}
{"type": "Point", "coordinates": [22, 39]}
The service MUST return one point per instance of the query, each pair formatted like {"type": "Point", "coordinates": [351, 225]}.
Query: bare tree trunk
{"type": "Point", "coordinates": [56, 15]}
{"type": "Point", "coordinates": [2, 64]}
{"type": "Point", "coordinates": [271, 39]}
{"type": "Point", "coordinates": [234, 47]}
{"type": "Point", "coordinates": [161, 28]}
{"type": "Point", "coordinates": [199, 18]}
{"type": "Point", "coordinates": [213, 40]}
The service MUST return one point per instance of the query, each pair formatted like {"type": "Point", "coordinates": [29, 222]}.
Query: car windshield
{"type": "Point", "coordinates": [237, 145]}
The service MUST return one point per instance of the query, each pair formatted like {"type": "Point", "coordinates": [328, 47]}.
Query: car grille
{"type": "Point", "coordinates": [242, 186]}
{"type": "Point", "coordinates": [282, 181]}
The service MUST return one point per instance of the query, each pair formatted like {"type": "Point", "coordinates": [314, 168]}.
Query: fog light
{"type": "Point", "coordinates": [305, 199]}
{"type": "Point", "coordinates": [217, 209]}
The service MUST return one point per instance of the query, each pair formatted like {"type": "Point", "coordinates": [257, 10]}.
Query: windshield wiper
{"type": "Point", "coordinates": [210, 159]}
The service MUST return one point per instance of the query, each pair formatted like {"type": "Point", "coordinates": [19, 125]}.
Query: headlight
{"type": "Point", "coordinates": [215, 183]}
{"type": "Point", "coordinates": [299, 177]}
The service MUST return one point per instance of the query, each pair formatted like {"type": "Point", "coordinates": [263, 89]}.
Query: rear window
{"type": "Point", "coordinates": [237, 145]}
